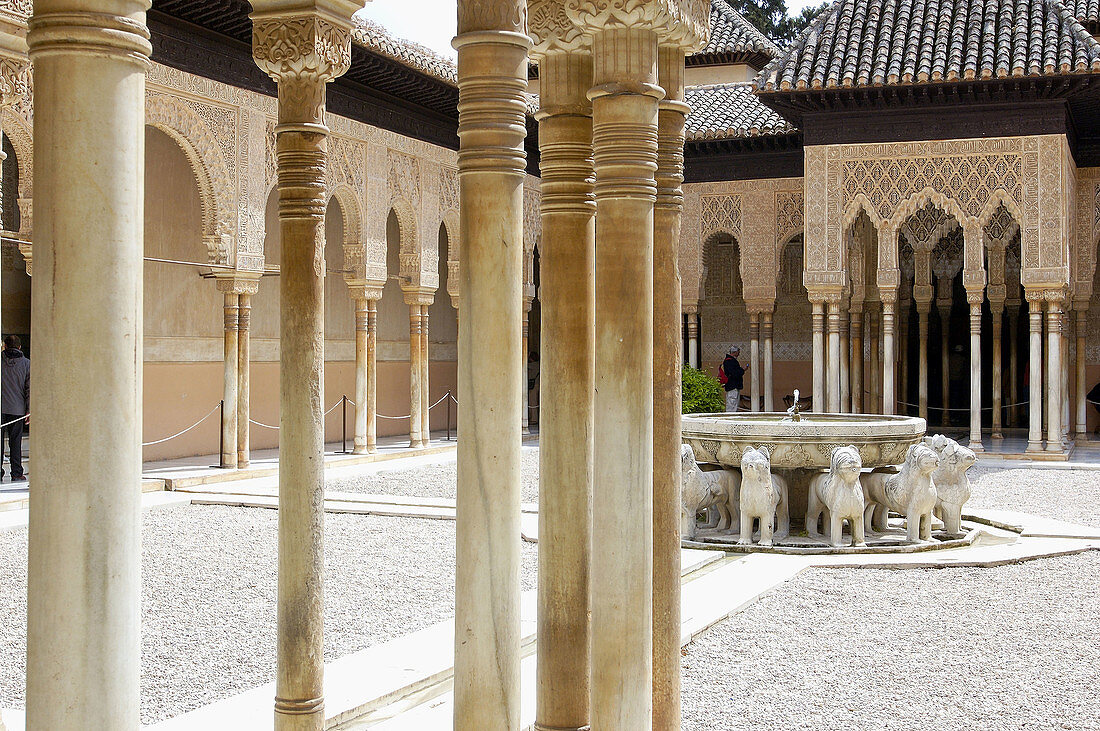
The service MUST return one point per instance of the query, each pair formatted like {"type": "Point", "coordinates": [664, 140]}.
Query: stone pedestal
{"type": "Point", "coordinates": [84, 561]}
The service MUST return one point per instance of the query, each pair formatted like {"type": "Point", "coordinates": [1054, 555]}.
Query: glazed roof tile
{"type": "Point", "coordinates": [728, 111]}
{"type": "Point", "coordinates": [373, 36]}
{"type": "Point", "coordinates": [1087, 12]}
{"type": "Point", "coordinates": [861, 43]}
{"type": "Point", "coordinates": [731, 33]}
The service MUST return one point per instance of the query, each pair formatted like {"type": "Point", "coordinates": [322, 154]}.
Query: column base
{"type": "Point", "coordinates": [540, 727]}
{"type": "Point", "coordinates": [998, 436]}
{"type": "Point", "coordinates": [976, 446]}
{"type": "Point", "coordinates": [243, 464]}
{"type": "Point", "coordinates": [360, 450]}
{"type": "Point", "coordinates": [1034, 447]}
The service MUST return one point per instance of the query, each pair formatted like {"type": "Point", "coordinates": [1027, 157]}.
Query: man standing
{"type": "Point", "coordinates": [15, 395]}
{"type": "Point", "coordinates": [735, 379]}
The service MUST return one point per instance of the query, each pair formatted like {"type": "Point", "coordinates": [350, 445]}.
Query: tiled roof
{"type": "Point", "coordinates": [420, 58]}
{"type": "Point", "coordinates": [860, 43]}
{"type": "Point", "coordinates": [731, 34]}
{"type": "Point", "coordinates": [1087, 13]}
{"type": "Point", "coordinates": [726, 111]}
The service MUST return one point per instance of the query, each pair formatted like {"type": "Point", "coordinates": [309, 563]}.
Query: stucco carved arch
{"type": "Point", "coordinates": [860, 204]}
{"type": "Point", "coordinates": [710, 240]}
{"type": "Point", "coordinates": [450, 224]}
{"type": "Point", "coordinates": [353, 230]}
{"type": "Point", "coordinates": [407, 236]}
{"type": "Point", "coordinates": [888, 253]}
{"type": "Point", "coordinates": [19, 134]}
{"type": "Point", "coordinates": [216, 189]}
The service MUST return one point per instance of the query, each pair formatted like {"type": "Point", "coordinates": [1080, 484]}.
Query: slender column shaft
{"type": "Point", "coordinates": [976, 371]}
{"type": "Point", "coordinates": [1065, 368]}
{"type": "Point", "coordinates": [416, 411]}
{"type": "Point", "coordinates": [492, 76]}
{"type": "Point", "coordinates": [889, 358]}
{"type": "Point", "coordinates": [693, 339]}
{"type": "Point", "coordinates": [84, 564]}
{"type": "Point", "coordinates": [1035, 375]}
{"type": "Point", "coordinates": [624, 141]}
{"type": "Point", "coordinates": [875, 336]}
{"type": "Point", "coordinates": [1013, 365]}
{"type": "Point", "coordinates": [244, 368]}
{"type": "Point", "coordinates": [819, 354]}
{"type": "Point", "coordinates": [903, 355]}
{"type": "Point", "coordinates": [371, 402]}
{"type": "Point", "coordinates": [832, 390]}
{"type": "Point", "coordinates": [856, 330]}
{"type": "Point", "coordinates": [1054, 379]}
{"type": "Point", "coordinates": [360, 439]}
{"type": "Point", "coordinates": [945, 361]}
{"type": "Point", "coordinates": [767, 329]}
{"type": "Point", "coordinates": [568, 295]}
{"type": "Point", "coordinates": [667, 490]}
{"type": "Point", "coordinates": [922, 361]}
{"type": "Point", "coordinates": [229, 381]}
{"type": "Point", "coordinates": [997, 308]}
{"type": "Point", "coordinates": [754, 360]}
{"type": "Point", "coordinates": [526, 420]}
{"type": "Point", "coordinates": [845, 376]}
{"type": "Point", "coordinates": [425, 391]}
{"type": "Point", "coordinates": [1081, 332]}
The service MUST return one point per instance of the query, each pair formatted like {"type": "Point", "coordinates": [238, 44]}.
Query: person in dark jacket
{"type": "Point", "coordinates": [735, 379]}
{"type": "Point", "coordinates": [15, 402]}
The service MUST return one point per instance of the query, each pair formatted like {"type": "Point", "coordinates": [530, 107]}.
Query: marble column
{"type": "Point", "coordinates": [845, 376]}
{"type": "Point", "coordinates": [244, 376]}
{"type": "Point", "coordinates": [974, 299]}
{"type": "Point", "coordinates": [903, 353]}
{"type": "Point", "coordinates": [624, 141]}
{"type": "Point", "coordinates": [416, 412]}
{"type": "Point", "coordinates": [855, 326]}
{"type": "Point", "coordinates": [84, 558]}
{"type": "Point", "coordinates": [1081, 333]}
{"type": "Point", "coordinates": [923, 308]}
{"type": "Point", "coordinates": [767, 332]}
{"type": "Point", "coordinates": [371, 433]}
{"type": "Point", "coordinates": [565, 425]}
{"type": "Point", "coordinates": [944, 310]}
{"type": "Point", "coordinates": [229, 380]}
{"type": "Point", "coordinates": [832, 390]}
{"type": "Point", "coordinates": [754, 359]}
{"type": "Point", "coordinates": [425, 390]}
{"type": "Point", "coordinates": [1054, 370]}
{"type": "Point", "coordinates": [889, 356]}
{"type": "Point", "coordinates": [302, 50]}
{"type": "Point", "coordinates": [492, 77]}
{"type": "Point", "coordinates": [874, 334]}
{"type": "Point", "coordinates": [818, 324]}
{"type": "Point", "coordinates": [667, 494]}
{"type": "Point", "coordinates": [1035, 371]}
{"type": "Point", "coordinates": [1013, 363]}
{"type": "Point", "coordinates": [693, 337]}
{"type": "Point", "coordinates": [1065, 367]}
{"type": "Point", "coordinates": [997, 310]}
{"type": "Point", "coordinates": [526, 420]}
{"type": "Point", "coordinates": [366, 366]}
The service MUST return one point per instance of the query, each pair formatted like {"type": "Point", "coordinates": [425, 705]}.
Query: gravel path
{"type": "Point", "coordinates": [208, 597]}
{"type": "Point", "coordinates": [433, 480]}
{"type": "Point", "coordinates": [1006, 648]}
{"type": "Point", "coordinates": [1072, 495]}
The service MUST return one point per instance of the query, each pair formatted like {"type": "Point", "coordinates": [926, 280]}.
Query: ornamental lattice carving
{"type": "Point", "coordinates": [532, 221]}
{"type": "Point", "coordinates": [346, 163]}
{"type": "Point", "coordinates": [404, 177]}
{"type": "Point", "coordinates": [685, 23]}
{"type": "Point", "coordinates": [301, 47]}
{"type": "Point", "coordinates": [15, 80]}
{"type": "Point", "coordinates": [448, 190]}
{"type": "Point", "coordinates": [551, 29]}
{"type": "Point", "coordinates": [721, 214]}
{"type": "Point", "coordinates": [789, 219]}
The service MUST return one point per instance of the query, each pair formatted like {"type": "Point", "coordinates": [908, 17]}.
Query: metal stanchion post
{"type": "Point", "coordinates": [344, 425]}
{"type": "Point", "coordinates": [221, 432]}
{"type": "Point", "coordinates": [448, 416]}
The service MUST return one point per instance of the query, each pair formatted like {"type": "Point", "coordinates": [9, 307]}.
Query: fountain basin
{"type": "Point", "coordinates": [806, 444]}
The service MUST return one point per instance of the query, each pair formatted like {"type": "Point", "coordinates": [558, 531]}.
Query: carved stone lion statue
{"type": "Point", "coordinates": [950, 479]}
{"type": "Point", "coordinates": [839, 496]}
{"type": "Point", "coordinates": [717, 489]}
{"type": "Point", "coordinates": [909, 491]}
{"type": "Point", "coordinates": [763, 496]}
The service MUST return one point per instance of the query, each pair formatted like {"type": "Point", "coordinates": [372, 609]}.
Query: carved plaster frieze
{"type": "Point", "coordinates": [681, 23]}
{"type": "Point", "coordinates": [309, 46]}
{"type": "Point", "coordinates": [492, 15]}
{"type": "Point", "coordinates": [552, 30]}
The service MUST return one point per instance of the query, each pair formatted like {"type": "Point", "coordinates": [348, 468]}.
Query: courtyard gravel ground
{"type": "Point", "coordinates": [1013, 647]}
{"type": "Point", "coordinates": [208, 597]}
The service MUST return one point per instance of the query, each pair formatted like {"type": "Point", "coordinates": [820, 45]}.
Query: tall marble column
{"type": "Point", "coordinates": [903, 352]}
{"type": "Point", "coordinates": [855, 316]}
{"type": "Point", "coordinates": [944, 310]}
{"type": "Point", "coordinates": [845, 376]}
{"type": "Point", "coordinates": [568, 334]}
{"type": "Point", "coordinates": [371, 434]}
{"type": "Point", "coordinates": [874, 335]}
{"type": "Point", "coordinates": [526, 420]}
{"type": "Point", "coordinates": [767, 332]}
{"type": "Point", "coordinates": [1065, 368]}
{"type": "Point", "coordinates": [302, 50]}
{"type": "Point", "coordinates": [974, 298]}
{"type": "Point", "coordinates": [425, 390]}
{"type": "Point", "coordinates": [889, 356]}
{"type": "Point", "coordinates": [244, 375]}
{"type": "Point", "coordinates": [997, 311]}
{"type": "Point", "coordinates": [1035, 371]}
{"type": "Point", "coordinates": [366, 298]}
{"type": "Point", "coordinates": [84, 558]}
{"type": "Point", "coordinates": [1013, 362]}
{"type": "Point", "coordinates": [416, 412]}
{"type": "Point", "coordinates": [1081, 332]}
{"type": "Point", "coordinates": [754, 359]}
{"type": "Point", "coordinates": [832, 390]}
{"type": "Point", "coordinates": [1054, 370]}
{"type": "Point", "coordinates": [923, 308]}
{"type": "Point", "coordinates": [230, 310]}
{"type": "Point", "coordinates": [818, 325]}
{"type": "Point", "coordinates": [492, 76]}
{"type": "Point", "coordinates": [667, 495]}
{"type": "Point", "coordinates": [624, 140]}
{"type": "Point", "coordinates": [693, 336]}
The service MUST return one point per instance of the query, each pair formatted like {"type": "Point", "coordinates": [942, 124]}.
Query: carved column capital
{"type": "Point", "coordinates": [238, 283]}
{"type": "Point", "coordinates": [365, 289]}
{"type": "Point", "coordinates": [122, 35]}
{"type": "Point", "coordinates": [681, 23]}
{"type": "Point", "coordinates": [423, 296]}
{"type": "Point", "coordinates": [552, 31]}
{"type": "Point", "coordinates": [509, 16]}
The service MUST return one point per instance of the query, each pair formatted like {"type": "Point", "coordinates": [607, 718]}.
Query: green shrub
{"type": "Point", "coordinates": [702, 393]}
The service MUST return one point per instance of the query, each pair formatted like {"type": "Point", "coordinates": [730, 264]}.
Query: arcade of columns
{"type": "Point", "coordinates": [945, 207]}
{"type": "Point", "coordinates": [83, 637]}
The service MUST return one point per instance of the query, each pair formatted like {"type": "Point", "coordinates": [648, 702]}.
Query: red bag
{"type": "Point", "coordinates": [722, 377]}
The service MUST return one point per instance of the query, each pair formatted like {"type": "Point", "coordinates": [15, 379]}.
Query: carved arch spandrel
{"type": "Point", "coordinates": [19, 134]}
{"type": "Point", "coordinates": [454, 245]}
{"type": "Point", "coordinates": [217, 191]}
{"type": "Point", "coordinates": [353, 231]}
{"type": "Point", "coordinates": [408, 238]}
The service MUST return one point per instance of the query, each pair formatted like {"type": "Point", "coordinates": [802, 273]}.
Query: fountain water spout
{"type": "Point", "coordinates": [792, 413]}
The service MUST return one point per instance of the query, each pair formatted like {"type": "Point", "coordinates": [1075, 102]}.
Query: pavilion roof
{"type": "Point", "coordinates": [420, 58]}
{"type": "Point", "coordinates": [1087, 13]}
{"type": "Point", "coordinates": [871, 43]}
{"type": "Point", "coordinates": [733, 38]}
{"type": "Point", "coordinates": [728, 111]}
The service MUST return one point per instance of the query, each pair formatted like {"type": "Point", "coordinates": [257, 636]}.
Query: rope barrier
{"type": "Point", "coordinates": [181, 433]}
{"type": "Point", "coordinates": [965, 409]}
{"type": "Point", "coordinates": [20, 418]}
{"type": "Point", "coordinates": [442, 398]}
